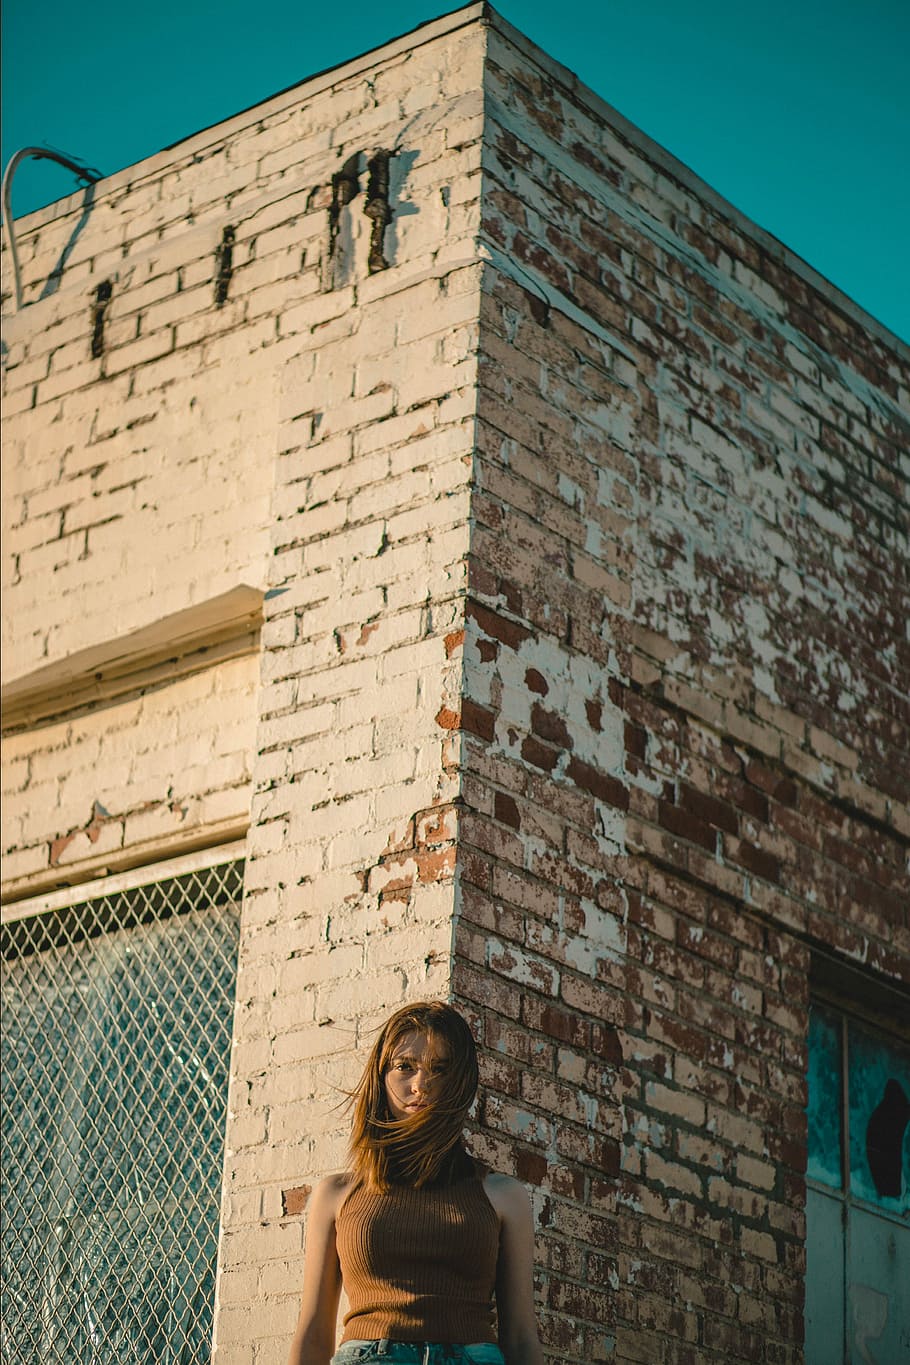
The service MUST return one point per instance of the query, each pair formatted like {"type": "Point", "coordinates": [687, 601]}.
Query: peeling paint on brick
{"type": "Point", "coordinates": [577, 696]}
{"type": "Point", "coordinates": [295, 1200]}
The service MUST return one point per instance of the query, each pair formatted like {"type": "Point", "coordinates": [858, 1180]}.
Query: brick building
{"type": "Point", "coordinates": [431, 509]}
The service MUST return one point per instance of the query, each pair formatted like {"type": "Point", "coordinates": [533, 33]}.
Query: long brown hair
{"type": "Point", "coordinates": [425, 1147]}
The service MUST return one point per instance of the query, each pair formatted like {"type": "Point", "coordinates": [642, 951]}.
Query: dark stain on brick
{"type": "Point", "coordinates": [539, 307]}
{"type": "Point", "coordinates": [224, 265]}
{"type": "Point", "coordinates": [784, 791]}
{"type": "Point", "coordinates": [780, 788]}
{"type": "Point", "coordinates": [747, 799]}
{"type": "Point", "coordinates": [565, 1025]}
{"type": "Point", "coordinates": [488, 650]}
{"type": "Point", "coordinates": [99, 312]}
{"type": "Point", "coordinates": [536, 682]}
{"type": "Point", "coordinates": [511, 593]}
{"type": "Point", "coordinates": [610, 1158]}
{"type": "Point", "coordinates": [605, 1043]}
{"type": "Point", "coordinates": [594, 711]}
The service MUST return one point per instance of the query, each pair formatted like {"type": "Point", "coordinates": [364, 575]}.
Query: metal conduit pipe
{"type": "Point", "coordinates": [85, 173]}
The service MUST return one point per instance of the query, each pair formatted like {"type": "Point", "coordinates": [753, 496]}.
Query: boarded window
{"type": "Point", "coordinates": [116, 1042]}
{"type": "Point", "coordinates": [858, 1198]}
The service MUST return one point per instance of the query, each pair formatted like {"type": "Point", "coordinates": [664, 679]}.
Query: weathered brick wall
{"type": "Point", "coordinates": [351, 853]}
{"type": "Point", "coordinates": [84, 790]}
{"type": "Point", "coordinates": [309, 436]}
{"type": "Point", "coordinates": [139, 480]}
{"type": "Point", "coordinates": [579, 526]}
{"type": "Point", "coordinates": [689, 768]}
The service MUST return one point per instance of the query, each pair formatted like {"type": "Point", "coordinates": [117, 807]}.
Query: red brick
{"type": "Point", "coordinates": [687, 826]}
{"type": "Point", "coordinates": [565, 1025]}
{"type": "Point", "coordinates": [498, 627]}
{"type": "Point", "coordinates": [550, 726]}
{"type": "Point", "coordinates": [536, 682]}
{"type": "Point", "coordinates": [478, 720]}
{"type": "Point", "coordinates": [708, 808]}
{"type": "Point", "coordinates": [506, 810]}
{"type": "Point", "coordinates": [635, 740]}
{"type": "Point", "coordinates": [756, 860]}
{"type": "Point", "coordinates": [433, 865]}
{"type": "Point", "coordinates": [607, 789]}
{"type": "Point", "coordinates": [531, 1167]}
{"type": "Point", "coordinates": [541, 755]}
{"type": "Point", "coordinates": [295, 1200]}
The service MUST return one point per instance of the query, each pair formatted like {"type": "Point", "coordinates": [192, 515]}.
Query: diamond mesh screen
{"type": "Point", "coordinates": [115, 1052]}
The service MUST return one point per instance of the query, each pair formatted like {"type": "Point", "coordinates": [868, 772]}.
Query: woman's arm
{"type": "Point", "coordinates": [314, 1339]}
{"type": "Point", "coordinates": [515, 1272]}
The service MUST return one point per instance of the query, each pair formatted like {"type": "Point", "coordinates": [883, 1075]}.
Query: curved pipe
{"type": "Point", "coordinates": [86, 173]}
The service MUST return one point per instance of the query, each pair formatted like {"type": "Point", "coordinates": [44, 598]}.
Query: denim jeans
{"type": "Point", "coordinates": [387, 1352]}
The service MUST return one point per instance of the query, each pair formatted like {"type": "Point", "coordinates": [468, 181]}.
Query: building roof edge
{"type": "Point", "coordinates": [481, 12]}
{"type": "Point", "coordinates": [657, 153]}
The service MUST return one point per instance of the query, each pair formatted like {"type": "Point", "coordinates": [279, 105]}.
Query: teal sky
{"type": "Point", "coordinates": [797, 111]}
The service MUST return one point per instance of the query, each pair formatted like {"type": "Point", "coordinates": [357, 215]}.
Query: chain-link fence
{"type": "Point", "coordinates": [116, 1042]}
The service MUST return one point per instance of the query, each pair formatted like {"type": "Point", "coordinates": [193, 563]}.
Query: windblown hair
{"type": "Point", "coordinates": [425, 1148]}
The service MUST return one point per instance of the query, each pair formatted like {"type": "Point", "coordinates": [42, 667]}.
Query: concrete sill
{"type": "Point", "coordinates": [224, 627]}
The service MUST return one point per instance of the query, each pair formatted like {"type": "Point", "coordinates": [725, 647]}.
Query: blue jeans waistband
{"type": "Point", "coordinates": [387, 1352]}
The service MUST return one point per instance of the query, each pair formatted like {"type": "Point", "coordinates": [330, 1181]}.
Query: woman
{"type": "Point", "coordinates": [421, 1239]}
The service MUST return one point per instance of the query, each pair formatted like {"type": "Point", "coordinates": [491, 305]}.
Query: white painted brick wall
{"type": "Point", "coordinates": [157, 767]}
{"type": "Point", "coordinates": [142, 482]}
{"type": "Point", "coordinates": [308, 439]}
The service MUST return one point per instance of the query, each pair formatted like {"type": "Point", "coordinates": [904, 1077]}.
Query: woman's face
{"type": "Point", "coordinates": [414, 1074]}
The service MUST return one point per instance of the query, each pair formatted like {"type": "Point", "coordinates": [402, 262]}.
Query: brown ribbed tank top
{"type": "Point", "coordinates": [419, 1264]}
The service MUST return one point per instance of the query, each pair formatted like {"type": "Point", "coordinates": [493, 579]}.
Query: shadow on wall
{"type": "Point", "coordinates": [53, 280]}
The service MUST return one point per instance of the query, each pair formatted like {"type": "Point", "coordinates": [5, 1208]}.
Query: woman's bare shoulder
{"type": "Point", "coordinates": [505, 1193]}
{"type": "Point", "coordinates": [329, 1194]}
